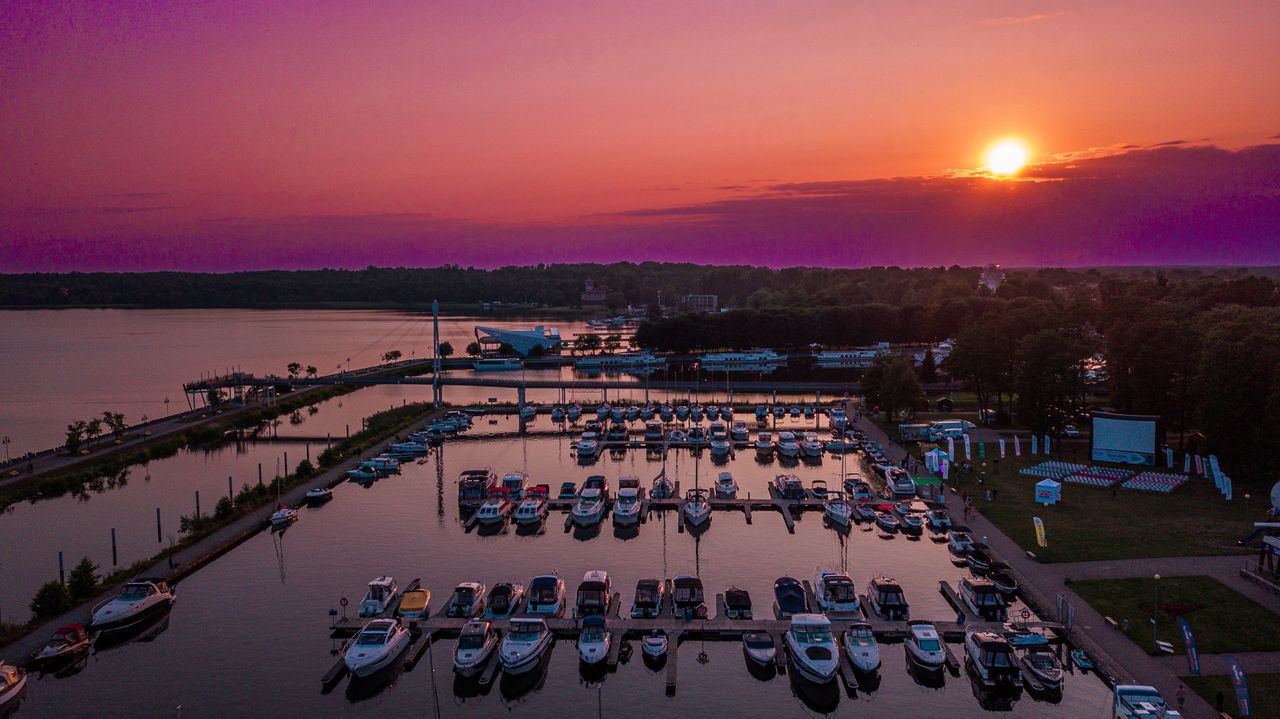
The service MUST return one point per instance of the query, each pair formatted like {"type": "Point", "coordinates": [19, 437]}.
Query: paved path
{"type": "Point", "coordinates": [1225, 569]}
{"type": "Point", "coordinates": [1253, 662]}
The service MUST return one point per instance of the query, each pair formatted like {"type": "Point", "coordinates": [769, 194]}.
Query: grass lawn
{"type": "Point", "coordinates": [1222, 619]}
{"type": "Point", "coordinates": [1264, 692]}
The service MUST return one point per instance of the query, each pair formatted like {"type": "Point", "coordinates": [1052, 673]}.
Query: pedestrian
{"type": "Point", "coordinates": [1217, 701]}
{"type": "Point", "coordinates": [1181, 696]}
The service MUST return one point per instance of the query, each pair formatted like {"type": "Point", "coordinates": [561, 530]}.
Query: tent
{"type": "Point", "coordinates": [934, 458]}
{"type": "Point", "coordinates": [1048, 492]}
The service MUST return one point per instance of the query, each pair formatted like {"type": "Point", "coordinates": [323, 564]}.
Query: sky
{"type": "Point", "coordinates": [227, 135]}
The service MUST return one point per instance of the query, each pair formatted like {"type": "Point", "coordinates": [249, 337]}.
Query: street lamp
{"type": "Point", "coordinates": [5, 441]}
{"type": "Point", "coordinates": [1155, 616]}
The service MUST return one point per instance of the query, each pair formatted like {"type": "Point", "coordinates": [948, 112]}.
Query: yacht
{"type": "Point", "coordinates": [495, 508]}
{"type": "Point", "coordinates": [764, 444]}
{"type": "Point", "coordinates": [662, 487]}
{"type": "Point", "coordinates": [504, 599]}
{"type": "Point", "coordinates": [788, 486]}
{"type": "Point", "coordinates": [726, 486]}
{"type": "Point", "coordinates": [687, 598]}
{"type": "Point", "coordinates": [759, 648]}
{"type": "Point", "coordinates": [738, 432]}
{"type": "Point", "coordinates": [474, 485]}
{"type": "Point", "coordinates": [514, 483]}
{"type": "Point", "coordinates": [378, 644]}
{"type": "Point", "coordinates": [594, 594]}
{"type": "Point", "coordinates": [66, 643]}
{"type": "Point", "coordinates": [835, 594]}
{"type": "Point", "coordinates": [137, 601]}
{"type": "Point", "coordinates": [498, 364]}
{"type": "Point", "coordinates": [979, 557]}
{"type": "Point", "coordinates": [789, 598]}
{"type": "Point", "coordinates": [696, 508]}
{"type": "Point", "coordinates": [467, 600]}
{"type": "Point", "coordinates": [318, 496]}
{"type": "Point", "coordinates": [624, 360]}
{"type": "Point", "coordinates": [737, 603]}
{"type": "Point", "coordinates": [983, 599]}
{"type": "Point", "coordinates": [861, 647]}
{"type": "Point", "coordinates": [959, 540]}
{"type": "Point", "coordinates": [887, 522]}
{"type": "Point", "coordinates": [1041, 670]}
{"type": "Point", "coordinates": [382, 593]}
{"type": "Point", "coordinates": [810, 445]}
{"type": "Point", "coordinates": [647, 602]}
{"type": "Point", "coordinates": [13, 682]}
{"type": "Point", "coordinates": [991, 658]}
{"type": "Point", "coordinates": [527, 640]}
{"type": "Point", "coordinates": [939, 520]}
{"type": "Point", "coordinates": [283, 517]}
{"type": "Point", "coordinates": [626, 509]}
{"type": "Point", "coordinates": [415, 602]}
{"type": "Point", "coordinates": [654, 644]}
{"type": "Point", "coordinates": [811, 647]}
{"type": "Point", "coordinates": [1001, 575]}
{"type": "Point", "coordinates": [840, 445]}
{"type": "Point", "coordinates": [594, 640]}
{"type": "Point", "coordinates": [1135, 701]}
{"type": "Point", "coordinates": [653, 432]}
{"type": "Point", "coordinates": [838, 509]}
{"type": "Point", "coordinates": [590, 508]}
{"type": "Point", "coordinates": [588, 444]}
{"type": "Point", "coordinates": [546, 596]}
{"type": "Point", "coordinates": [475, 645]}
{"type": "Point", "coordinates": [533, 508]}
{"type": "Point", "coordinates": [887, 600]}
{"type": "Point", "coordinates": [787, 445]}
{"type": "Point", "coordinates": [900, 483]}
{"type": "Point", "coordinates": [924, 646]}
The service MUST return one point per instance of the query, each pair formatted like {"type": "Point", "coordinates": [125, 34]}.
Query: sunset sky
{"type": "Point", "coordinates": [225, 135]}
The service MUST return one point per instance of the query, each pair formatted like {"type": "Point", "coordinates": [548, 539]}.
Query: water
{"type": "Point", "coordinates": [249, 636]}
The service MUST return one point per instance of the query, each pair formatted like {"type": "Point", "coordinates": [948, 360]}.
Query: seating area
{"type": "Point", "coordinates": [1053, 469]}
{"type": "Point", "coordinates": [1098, 476]}
{"type": "Point", "coordinates": [1160, 482]}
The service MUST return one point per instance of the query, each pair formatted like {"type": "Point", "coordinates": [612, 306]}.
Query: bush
{"type": "Point", "coordinates": [83, 582]}
{"type": "Point", "coordinates": [51, 600]}
{"type": "Point", "coordinates": [304, 470]}
{"type": "Point", "coordinates": [225, 508]}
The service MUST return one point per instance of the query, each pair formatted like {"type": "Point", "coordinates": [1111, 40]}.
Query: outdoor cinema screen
{"type": "Point", "coordinates": [1124, 438]}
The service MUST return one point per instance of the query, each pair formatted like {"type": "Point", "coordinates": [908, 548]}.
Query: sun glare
{"type": "Point", "coordinates": [1006, 157]}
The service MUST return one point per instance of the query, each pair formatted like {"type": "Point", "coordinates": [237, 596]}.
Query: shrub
{"type": "Point", "coordinates": [52, 599]}
{"type": "Point", "coordinates": [83, 582]}
{"type": "Point", "coordinates": [225, 508]}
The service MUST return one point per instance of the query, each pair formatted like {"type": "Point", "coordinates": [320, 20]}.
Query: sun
{"type": "Point", "coordinates": [1006, 157]}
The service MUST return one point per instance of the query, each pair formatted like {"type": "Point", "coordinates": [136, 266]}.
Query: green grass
{"type": "Point", "coordinates": [1264, 692]}
{"type": "Point", "coordinates": [1222, 619]}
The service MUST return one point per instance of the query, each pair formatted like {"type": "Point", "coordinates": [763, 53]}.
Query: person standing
{"type": "Point", "coordinates": [1181, 696]}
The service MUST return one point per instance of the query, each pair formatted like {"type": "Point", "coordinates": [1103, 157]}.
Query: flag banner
{"type": "Point", "coordinates": [1199, 465]}
{"type": "Point", "coordinates": [1168, 457]}
{"type": "Point", "coordinates": [1189, 641]}
{"type": "Point", "coordinates": [946, 467]}
{"type": "Point", "coordinates": [1034, 445]}
{"type": "Point", "coordinates": [1238, 681]}
{"type": "Point", "coordinates": [1213, 465]}
{"type": "Point", "coordinates": [982, 450]}
{"type": "Point", "coordinates": [1186, 464]}
{"type": "Point", "coordinates": [1226, 488]}
{"type": "Point", "coordinates": [1017, 446]}
{"type": "Point", "coordinates": [967, 453]}
{"type": "Point", "coordinates": [951, 447]}
{"type": "Point", "coordinates": [1001, 448]}
{"type": "Point", "coordinates": [1071, 616]}
{"type": "Point", "coordinates": [1046, 444]}
{"type": "Point", "coordinates": [1061, 603]}
{"type": "Point", "coordinates": [1041, 539]}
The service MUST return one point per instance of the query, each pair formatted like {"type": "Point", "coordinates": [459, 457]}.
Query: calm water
{"type": "Point", "coordinates": [249, 633]}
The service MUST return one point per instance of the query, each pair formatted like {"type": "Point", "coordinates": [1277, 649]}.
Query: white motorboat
{"type": "Point", "coordinates": [653, 432]}
{"type": "Point", "coordinates": [533, 508]}
{"type": "Point", "coordinates": [602, 411]}
{"type": "Point", "coordinates": [764, 444]}
{"type": "Point", "coordinates": [546, 596]}
{"type": "Point", "coordinates": [887, 522]}
{"type": "Point", "coordinates": [738, 431]}
{"type": "Point", "coordinates": [991, 658]}
{"type": "Point", "coordinates": [810, 445]}
{"type": "Point", "coordinates": [697, 510]}
{"type": "Point", "coordinates": [590, 507]}
{"type": "Point", "coordinates": [574, 412]}
{"type": "Point", "coordinates": [527, 640]}
{"type": "Point", "coordinates": [504, 599]}
{"type": "Point", "coordinates": [959, 540]}
{"type": "Point", "coordinates": [682, 412]}
{"type": "Point", "coordinates": [939, 519]}
{"type": "Point", "coordinates": [713, 412]}
{"type": "Point", "coordinates": [495, 508]}
{"type": "Point", "coordinates": [924, 646]}
{"type": "Point", "coordinates": [13, 682]}
{"type": "Point", "coordinates": [861, 647]}
{"type": "Point", "coordinates": [617, 414]}
{"type": "Point", "coordinates": [514, 483]}
{"type": "Point", "coordinates": [466, 601]}
{"type": "Point", "coordinates": [666, 413]}
{"type": "Point", "coordinates": [840, 445]}
{"type": "Point", "coordinates": [720, 447]}
{"type": "Point", "coordinates": [588, 444]}
{"type": "Point", "coordinates": [726, 486]}
{"type": "Point", "coordinates": [497, 365]}
{"type": "Point", "coordinates": [594, 640]}
{"type": "Point", "coordinates": [378, 644]}
{"type": "Point", "coordinates": [900, 483]}
{"type": "Point", "coordinates": [787, 445]}
{"type": "Point", "coordinates": [137, 601]}
{"type": "Point", "coordinates": [528, 412]}
{"type": "Point", "coordinates": [283, 517]}
{"type": "Point", "coordinates": [474, 485]}
{"type": "Point", "coordinates": [887, 599]}
{"type": "Point", "coordinates": [759, 648]}
{"type": "Point", "coordinates": [382, 592]}
{"type": "Point", "coordinates": [695, 412]}
{"type": "Point", "coordinates": [557, 414]}
{"type": "Point", "coordinates": [654, 644]}
{"type": "Point", "coordinates": [319, 495]}
{"type": "Point", "coordinates": [475, 645]}
{"type": "Point", "coordinates": [66, 643]}
{"type": "Point", "coordinates": [836, 595]}
{"type": "Point", "coordinates": [594, 594]}
{"type": "Point", "coordinates": [811, 647]}
{"type": "Point", "coordinates": [838, 509]}
{"type": "Point", "coordinates": [1041, 670]}
{"type": "Point", "coordinates": [984, 599]}
{"type": "Point", "coordinates": [688, 599]}
{"type": "Point", "coordinates": [789, 486]}
{"type": "Point", "coordinates": [626, 508]}
{"type": "Point", "coordinates": [1136, 701]}
{"type": "Point", "coordinates": [719, 360]}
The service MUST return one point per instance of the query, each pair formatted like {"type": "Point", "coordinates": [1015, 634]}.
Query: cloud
{"type": "Point", "coordinates": [1023, 19]}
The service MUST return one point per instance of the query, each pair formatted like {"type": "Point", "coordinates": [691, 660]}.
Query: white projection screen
{"type": "Point", "coordinates": [1124, 438]}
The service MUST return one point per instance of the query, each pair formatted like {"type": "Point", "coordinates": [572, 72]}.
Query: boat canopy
{"type": "Point", "coordinates": [736, 598]}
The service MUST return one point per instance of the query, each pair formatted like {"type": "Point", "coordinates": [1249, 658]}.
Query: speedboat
{"type": "Point", "coordinates": [687, 598]}
{"type": "Point", "coordinates": [759, 648]}
{"type": "Point", "coordinates": [887, 599]}
{"type": "Point", "coordinates": [66, 643]}
{"type": "Point", "coordinates": [887, 522]}
{"type": "Point", "coordinates": [137, 601]}
{"type": "Point", "coordinates": [557, 414]}
{"type": "Point", "coordinates": [504, 599]}
{"type": "Point", "coordinates": [514, 483]}
{"type": "Point", "coordinates": [546, 596]}
{"type": "Point", "coordinates": [494, 510]}
{"type": "Point", "coordinates": [983, 599]}
{"type": "Point", "coordinates": [647, 411]}
{"type": "Point", "coordinates": [617, 432]}
{"type": "Point", "coordinates": [319, 495]}
{"type": "Point", "coordinates": [626, 509]}
{"type": "Point", "coordinates": [617, 414]}
{"type": "Point", "coordinates": [13, 682]}
{"type": "Point", "coordinates": [677, 436]}
{"type": "Point", "coordinates": [475, 645]}
{"type": "Point", "coordinates": [533, 508]}
{"type": "Point", "coordinates": [360, 474]}
{"type": "Point", "coordinates": [864, 512]}
{"type": "Point", "coordinates": [720, 446]}
{"type": "Point", "coordinates": [979, 557]}
{"type": "Point", "coordinates": [959, 540]}
{"type": "Point", "coordinates": [787, 445]}
{"type": "Point", "coordinates": [713, 412]}
{"type": "Point", "coordinates": [696, 435]}
{"type": "Point", "coordinates": [1081, 660]}
{"type": "Point", "coordinates": [911, 522]}
{"type": "Point", "coordinates": [939, 519]}
{"type": "Point", "coordinates": [726, 487]}
{"type": "Point", "coordinates": [1041, 670]}
{"type": "Point", "coordinates": [647, 601]}
{"type": "Point", "coordinates": [857, 487]}
{"type": "Point", "coordinates": [924, 646]}
{"type": "Point", "coordinates": [900, 483]}
{"type": "Point", "coordinates": [682, 412]}
{"type": "Point", "coordinates": [590, 508]}
{"type": "Point", "coordinates": [602, 412]}
{"type": "Point", "coordinates": [788, 486]}
{"type": "Point", "coordinates": [764, 444]}
{"type": "Point", "coordinates": [662, 488]}
{"type": "Point", "coordinates": [382, 592]}
{"type": "Point", "coordinates": [588, 444]}
{"type": "Point", "coordinates": [594, 594]}
{"type": "Point", "coordinates": [1001, 575]}
{"type": "Point", "coordinates": [666, 413]}
{"type": "Point", "coordinates": [811, 647]}
{"type": "Point", "coordinates": [654, 644]}
{"type": "Point", "coordinates": [991, 658]}
{"type": "Point", "coordinates": [1135, 701]}
{"type": "Point", "coordinates": [528, 412]}
{"type": "Point", "coordinates": [810, 445]}
{"type": "Point", "coordinates": [474, 484]}
{"type": "Point", "coordinates": [794, 411]}
{"type": "Point", "coordinates": [861, 647]}
{"type": "Point", "coordinates": [838, 509]}
{"type": "Point", "coordinates": [738, 432]}
{"type": "Point", "coordinates": [762, 414]}
{"type": "Point", "coordinates": [653, 432]}
{"type": "Point", "coordinates": [695, 413]}
{"type": "Point", "coordinates": [415, 602]}
{"type": "Point", "coordinates": [835, 594]}
{"type": "Point", "coordinates": [594, 640]}
{"type": "Point", "coordinates": [467, 600]}
{"type": "Point", "coordinates": [527, 639]}
{"type": "Point", "coordinates": [1024, 637]}
{"type": "Point", "coordinates": [789, 598]}
{"type": "Point", "coordinates": [568, 490]}
{"type": "Point", "coordinates": [779, 411]}
{"type": "Point", "coordinates": [840, 445]}
{"type": "Point", "coordinates": [574, 412]}
{"type": "Point", "coordinates": [737, 603]}
{"type": "Point", "coordinates": [633, 413]}
{"type": "Point", "coordinates": [818, 488]}
{"type": "Point", "coordinates": [696, 508]}
{"type": "Point", "coordinates": [377, 645]}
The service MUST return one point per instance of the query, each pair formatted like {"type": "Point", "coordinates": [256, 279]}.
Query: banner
{"type": "Point", "coordinates": [1071, 616]}
{"type": "Point", "coordinates": [1226, 488]}
{"type": "Point", "coordinates": [946, 468]}
{"type": "Point", "coordinates": [1168, 457]}
{"type": "Point", "coordinates": [1238, 681]}
{"type": "Point", "coordinates": [1213, 466]}
{"type": "Point", "coordinates": [1002, 448]}
{"type": "Point", "coordinates": [1041, 539]}
{"type": "Point", "coordinates": [1186, 464]}
{"type": "Point", "coordinates": [1046, 444]}
{"type": "Point", "coordinates": [1199, 465]}
{"type": "Point", "coordinates": [1033, 445]}
{"type": "Point", "coordinates": [1017, 446]}
{"type": "Point", "coordinates": [951, 447]}
{"type": "Point", "coordinates": [1061, 603]}
{"type": "Point", "coordinates": [967, 453]}
{"type": "Point", "coordinates": [982, 450]}
{"type": "Point", "coordinates": [1189, 641]}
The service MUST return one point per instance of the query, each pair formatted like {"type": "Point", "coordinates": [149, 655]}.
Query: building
{"type": "Point", "coordinates": [992, 277]}
{"type": "Point", "coordinates": [593, 294]}
{"type": "Point", "coordinates": [521, 341]}
{"type": "Point", "coordinates": [701, 303]}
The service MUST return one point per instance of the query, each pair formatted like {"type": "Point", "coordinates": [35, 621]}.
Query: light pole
{"type": "Point", "coordinates": [5, 441]}
{"type": "Point", "coordinates": [166, 406]}
{"type": "Point", "coordinates": [1155, 616]}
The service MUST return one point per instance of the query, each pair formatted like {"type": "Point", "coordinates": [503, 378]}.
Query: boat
{"type": "Point", "coordinates": [838, 509]}
{"type": "Point", "coordinates": [626, 508]}
{"type": "Point", "coordinates": [726, 486]}
{"type": "Point", "coordinates": [533, 508]}
{"type": "Point", "coordinates": [594, 640]}
{"type": "Point", "coordinates": [1136, 701]}
{"type": "Point", "coordinates": [991, 658]}
{"type": "Point", "coordinates": [818, 488]}
{"type": "Point", "coordinates": [138, 600]}
{"type": "Point", "coordinates": [653, 432]}
{"type": "Point", "coordinates": [979, 557]}
{"type": "Point", "coordinates": [617, 432]}
{"type": "Point", "coordinates": [687, 598]}
{"type": "Point", "coordinates": [283, 516]}
{"type": "Point", "coordinates": [861, 647]}
{"type": "Point", "coordinates": [696, 435]}
{"type": "Point", "coordinates": [574, 412]}
{"type": "Point", "coordinates": [378, 644]}
{"type": "Point", "coordinates": [514, 483]}
{"type": "Point", "coordinates": [1001, 575]}
{"type": "Point", "coordinates": [647, 412]}
{"type": "Point", "coordinates": [900, 483]}
{"type": "Point", "coordinates": [66, 643]}
{"type": "Point", "coordinates": [911, 522]}
{"type": "Point", "coordinates": [495, 508]}
{"type": "Point", "coordinates": [654, 644]}
{"type": "Point", "coordinates": [623, 360]}
{"type": "Point", "coordinates": [525, 643]}
{"type": "Point", "coordinates": [759, 648]}
{"type": "Point", "coordinates": [858, 488]}
{"type": "Point", "coordinates": [666, 413]}
{"type": "Point", "coordinates": [959, 540]}
{"type": "Point", "coordinates": [810, 445]}
{"type": "Point", "coordinates": [504, 600]}
{"type": "Point", "coordinates": [738, 432]}
{"type": "Point", "coordinates": [713, 412]}
{"type": "Point", "coordinates": [983, 599]}
{"type": "Point", "coordinates": [415, 602]}
{"type": "Point", "coordinates": [13, 682]}
{"type": "Point", "coordinates": [811, 648]}
{"type": "Point", "coordinates": [840, 445]}
{"type": "Point", "coordinates": [546, 596]}
{"type": "Point", "coordinates": [887, 600]}
{"type": "Point", "coordinates": [1024, 637]}
{"type": "Point", "coordinates": [662, 487]}
{"type": "Point", "coordinates": [557, 414]}
{"type": "Point", "coordinates": [602, 412]}
{"type": "Point", "coordinates": [1041, 670]}
{"type": "Point", "coordinates": [787, 445]}
{"type": "Point", "coordinates": [788, 486]}
{"type": "Point", "coordinates": [779, 411]}
{"type": "Point", "coordinates": [794, 411]}
{"type": "Point", "coordinates": [359, 474]}
{"type": "Point", "coordinates": [762, 414]}
{"type": "Point", "coordinates": [381, 594]}
{"type": "Point", "coordinates": [497, 364]}
{"type": "Point", "coordinates": [864, 512]}
{"type": "Point", "coordinates": [887, 522]}
{"type": "Point", "coordinates": [695, 412]}
{"type": "Point", "coordinates": [696, 508]}
{"type": "Point", "coordinates": [737, 603]}
{"type": "Point", "coordinates": [764, 444]}
{"type": "Point", "coordinates": [1081, 660]}
{"type": "Point", "coordinates": [588, 444]}
{"type": "Point", "coordinates": [590, 508]}
{"type": "Point", "coordinates": [924, 646]}
{"type": "Point", "coordinates": [633, 413]}
{"type": "Point", "coordinates": [720, 446]}
{"type": "Point", "coordinates": [677, 436]}
{"type": "Point", "coordinates": [466, 601]}
{"type": "Point", "coordinates": [647, 601]}
{"type": "Point", "coordinates": [836, 595]}
{"type": "Point", "coordinates": [475, 645]}
{"type": "Point", "coordinates": [319, 495]}
{"type": "Point", "coordinates": [682, 412]}
{"type": "Point", "coordinates": [789, 598]}
{"type": "Point", "coordinates": [939, 520]}
{"type": "Point", "coordinates": [568, 490]}
{"type": "Point", "coordinates": [594, 594]}
{"type": "Point", "coordinates": [474, 485]}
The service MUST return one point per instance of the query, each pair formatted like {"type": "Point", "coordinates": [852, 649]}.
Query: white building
{"type": "Point", "coordinates": [522, 341]}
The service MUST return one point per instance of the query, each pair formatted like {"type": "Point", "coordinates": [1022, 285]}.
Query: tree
{"type": "Point", "coordinates": [294, 368]}
{"type": "Point", "coordinates": [590, 342]}
{"type": "Point", "coordinates": [474, 349]}
{"type": "Point", "coordinates": [612, 342]}
{"type": "Point", "coordinates": [446, 350]}
{"type": "Point", "coordinates": [82, 583]}
{"type": "Point", "coordinates": [51, 600]}
{"type": "Point", "coordinates": [615, 301]}
{"type": "Point", "coordinates": [93, 428]}
{"type": "Point", "coordinates": [891, 385]}
{"type": "Point", "coordinates": [928, 367]}
{"type": "Point", "coordinates": [392, 356]}
{"type": "Point", "coordinates": [75, 435]}
{"type": "Point", "coordinates": [1049, 379]}
{"type": "Point", "coordinates": [115, 422]}
{"type": "Point", "coordinates": [312, 371]}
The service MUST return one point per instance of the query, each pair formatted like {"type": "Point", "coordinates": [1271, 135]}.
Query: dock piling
{"type": "Point", "coordinates": [62, 576]}
{"type": "Point", "coordinates": [114, 560]}
{"type": "Point", "coordinates": [159, 537]}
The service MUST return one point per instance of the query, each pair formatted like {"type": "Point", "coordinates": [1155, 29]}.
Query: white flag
{"type": "Point", "coordinates": [951, 447]}
{"type": "Point", "coordinates": [1046, 444]}
{"type": "Point", "coordinates": [946, 466]}
{"type": "Point", "coordinates": [967, 454]}
{"type": "Point", "coordinates": [1002, 448]}
{"type": "Point", "coordinates": [1168, 457]}
{"type": "Point", "coordinates": [1186, 464]}
{"type": "Point", "coordinates": [1017, 446]}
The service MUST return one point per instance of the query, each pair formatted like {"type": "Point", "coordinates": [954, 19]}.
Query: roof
{"type": "Point", "coordinates": [593, 620]}
{"type": "Point", "coordinates": [814, 619]}
{"type": "Point", "coordinates": [595, 575]}
{"type": "Point", "coordinates": [544, 581]}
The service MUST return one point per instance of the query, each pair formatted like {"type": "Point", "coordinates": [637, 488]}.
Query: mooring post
{"type": "Point", "coordinates": [348, 431]}
{"type": "Point", "coordinates": [230, 494]}
{"type": "Point", "coordinates": [62, 578]}
{"type": "Point", "coordinates": [308, 453]}
{"type": "Point", "coordinates": [114, 559]}
{"type": "Point", "coordinates": [286, 464]}
{"type": "Point", "coordinates": [259, 474]}
{"type": "Point", "coordinates": [197, 504]}
{"type": "Point", "coordinates": [159, 538]}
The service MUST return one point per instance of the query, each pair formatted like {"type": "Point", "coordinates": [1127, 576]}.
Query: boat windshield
{"type": "Point", "coordinates": [863, 634]}
{"type": "Point", "coordinates": [368, 639]}
{"type": "Point", "coordinates": [646, 596]}
{"type": "Point", "coordinates": [891, 597]}
{"type": "Point", "coordinates": [841, 592]}
{"type": "Point", "coordinates": [463, 595]}
{"type": "Point", "coordinates": [471, 640]}
{"type": "Point", "coordinates": [685, 595]}
{"type": "Point", "coordinates": [928, 645]}
{"type": "Point", "coordinates": [591, 596]}
{"type": "Point", "coordinates": [812, 634]}
{"type": "Point", "coordinates": [997, 659]}
{"type": "Point", "coordinates": [545, 595]}
{"type": "Point", "coordinates": [524, 631]}
{"type": "Point", "coordinates": [593, 635]}
{"type": "Point", "coordinates": [134, 592]}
